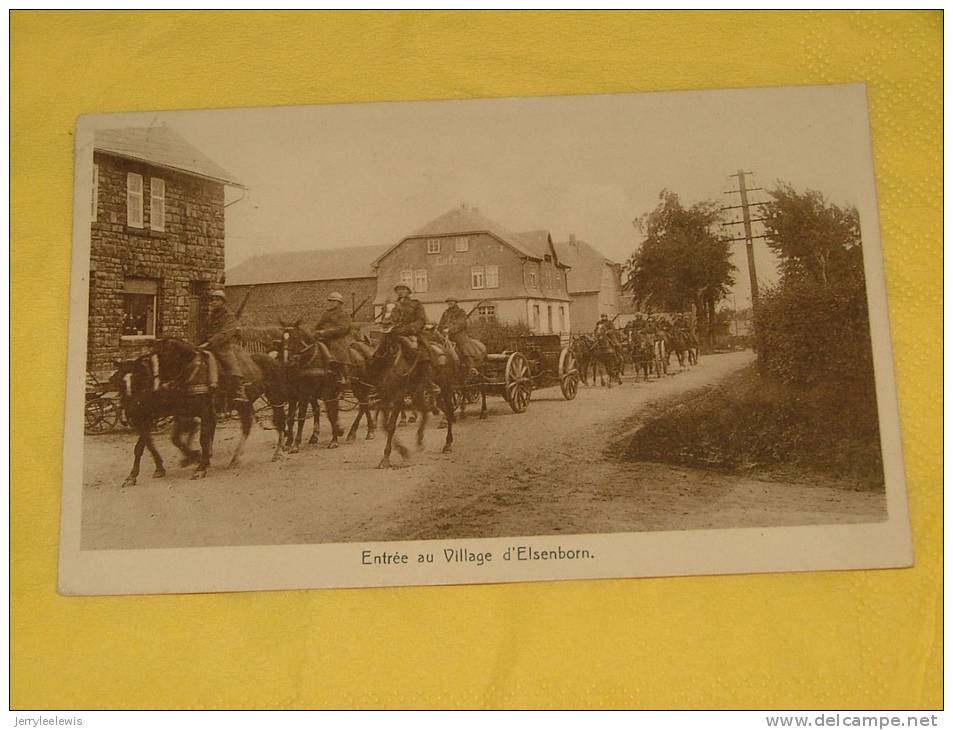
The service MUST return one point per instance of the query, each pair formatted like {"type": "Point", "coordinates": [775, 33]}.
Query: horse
{"type": "Point", "coordinates": [675, 342]}
{"type": "Point", "coordinates": [467, 378]}
{"type": "Point", "coordinates": [367, 403]}
{"type": "Point", "coordinates": [178, 380]}
{"type": "Point", "coordinates": [642, 351]}
{"type": "Point", "coordinates": [306, 362]}
{"type": "Point", "coordinates": [396, 375]}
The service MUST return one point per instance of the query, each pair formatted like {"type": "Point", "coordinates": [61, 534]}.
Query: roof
{"type": "Point", "coordinates": [463, 220]}
{"type": "Point", "coordinates": [161, 146]}
{"type": "Point", "coordinates": [352, 262]}
{"type": "Point", "coordinates": [586, 262]}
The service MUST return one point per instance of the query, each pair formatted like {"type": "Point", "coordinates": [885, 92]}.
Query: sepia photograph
{"type": "Point", "coordinates": [479, 341]}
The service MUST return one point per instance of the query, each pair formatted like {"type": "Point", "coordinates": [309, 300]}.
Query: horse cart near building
{"type": "Point", "coordinates": [520, 365]}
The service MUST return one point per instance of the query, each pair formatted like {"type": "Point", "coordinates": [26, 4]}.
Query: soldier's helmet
{"type": "Point", "coordinates": [398, 287]}
{"type": "Point", "coordinates": [450, 300]}
{"type": "Point", "coordinates": [336, 296]}
{"type": "Point", "coordinates": [217, 294]}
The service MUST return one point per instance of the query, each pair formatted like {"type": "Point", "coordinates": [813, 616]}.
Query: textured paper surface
{"type": "Point", "coordinates": [854, 639]}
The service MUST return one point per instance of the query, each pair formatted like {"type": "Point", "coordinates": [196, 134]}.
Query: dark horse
{"type": "Point", "coordinates": [177, 380]}
{"type": "Point", "coordinates": [362, 351]}
{"type": "Point", "coordinates": [398, 375]}
{"type": "Point", "coordinates": [306, 363]}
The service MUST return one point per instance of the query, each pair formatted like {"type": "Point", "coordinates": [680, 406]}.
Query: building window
{"type": "Point", "coordinates": [462, 244]}
{"type": "Point", "coordinates": [486, 311]}
{"type": "Point", "coordinates": [407, 278]}
{"type": "Point", "coordinates": [95, 200]}
{"type": "Point", "coordinates": [531, 278]}
{"type": "Point", "coordinates": [549, 317]}
{"type": "Point", "coordinates": [562, 318]}
{"type": "Point", "coordinates": [420, 280]}
{"type": "Point", "coordinates": [492, 277]}
{"type": "Point", "coordinates": [156, 203]}
{"type": "Point", "coordinates": [477, 278]}
{"type": "Point", "coordinates": [433, 245]}
{"type": "Point", "coordinates": [535, 324]}
{"type": "Point", "coordinates": [139, 308]}
{"type": "Point", "coordinates": [133, 200]}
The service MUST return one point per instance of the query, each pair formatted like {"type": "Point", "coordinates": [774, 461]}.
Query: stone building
{"type": "Point", "coordinates": [595, 283]}
{"type": "Point", "coordinates": [296, 284]}
{"type": "Point", "coordinates": [157, 236]}
{"type": "Point", "coordinates": [513, 277]}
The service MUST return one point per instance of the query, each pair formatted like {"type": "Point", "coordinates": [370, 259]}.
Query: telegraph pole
{"type": "Point", "coordinates": [746, 220]}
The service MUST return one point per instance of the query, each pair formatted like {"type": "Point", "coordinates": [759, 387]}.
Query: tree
{"type": "Point", "coordinates": [813, 238]}
{"type": "Point", "coordinates": [682, 260]}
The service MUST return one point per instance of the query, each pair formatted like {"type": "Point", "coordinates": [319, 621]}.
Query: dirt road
{"type": "Point", "coordinates": [551, 470]}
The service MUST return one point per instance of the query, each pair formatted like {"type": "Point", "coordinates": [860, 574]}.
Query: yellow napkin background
{"type": "Point", "coordinates": [866, 639]}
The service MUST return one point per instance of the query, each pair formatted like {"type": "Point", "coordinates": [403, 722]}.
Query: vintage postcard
{"type": "Point", "coordinates": [479, 341]}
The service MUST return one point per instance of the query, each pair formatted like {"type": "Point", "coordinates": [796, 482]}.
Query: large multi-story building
{"type": "Point", "coordinates": [594, 281]}
{"type": "Point", "coordinates": [157, 240]}
{"type": "Point", "coordinates": [513, 277]}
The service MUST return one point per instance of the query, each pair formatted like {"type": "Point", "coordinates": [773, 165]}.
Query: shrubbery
{"type": "Point", "coordinates": [810, 333]}
{"type": "Point", "coordinates": [495, 334]}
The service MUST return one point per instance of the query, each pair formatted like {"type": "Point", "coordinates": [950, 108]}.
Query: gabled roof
{"type": "Point", "coordinates": [586, 264]}
{"type": "Point", "coordinates": [466, 220]}
{"type": "Point", "coordinates": [161, 146]}
{"type": "Point", "coordinates": [353, 262]}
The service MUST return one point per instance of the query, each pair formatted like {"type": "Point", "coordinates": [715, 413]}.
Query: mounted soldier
{"type": "Point", "coordinates": [408, 321]}
{"type": "Point", "coordinates": [453, 324]}
{"type": "Point", "coordinates": [223, 337]}
{"type": "Point", "coordinates": [333, 329]}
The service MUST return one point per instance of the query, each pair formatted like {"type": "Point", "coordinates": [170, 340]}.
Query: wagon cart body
{"type": "Point", "coordinates": [526, 363]}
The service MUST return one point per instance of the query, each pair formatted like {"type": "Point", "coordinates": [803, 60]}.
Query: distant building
{"type": "Point", "coordinates": [510, 276]}
{"type": "Point", "coordinates": [594, 283]}
{"type": "Point", "coordinates": [157, 240]}
{"type": "Point", "coordinates": [296, 284]}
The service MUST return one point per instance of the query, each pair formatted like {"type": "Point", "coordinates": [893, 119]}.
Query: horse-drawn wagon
{"type": "Point", "coordinates": [522, 364]}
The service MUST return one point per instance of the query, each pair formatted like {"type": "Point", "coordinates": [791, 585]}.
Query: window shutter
{"type": "Point", "coordinates": [157, 204]}
{"type": "Point", "coordinates": [133, 200]}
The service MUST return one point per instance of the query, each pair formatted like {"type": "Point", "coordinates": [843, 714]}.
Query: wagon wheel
{"type": "Point", "coordinates": [568, 374]}
{"type": "Point", "coordinates": [102, 415]}
{"type": "Point", "coordinates": [517, 382]}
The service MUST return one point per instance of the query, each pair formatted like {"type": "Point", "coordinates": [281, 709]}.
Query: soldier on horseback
{"type": "Point", "coordinates": [409, 320]}
{"type": "Point", "coordinates": [223, 335]}
{"type": "Point", "coordinates": [453, 324]}
{"type": "Point", "coordinates": [332, 329]}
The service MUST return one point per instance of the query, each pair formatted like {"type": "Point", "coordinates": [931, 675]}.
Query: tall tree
{"type": "Point", "coordinates": [813, 238]}
{"type": "Point", "coordinates": [682, 260]}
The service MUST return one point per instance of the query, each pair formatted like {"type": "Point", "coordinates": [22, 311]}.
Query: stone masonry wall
{"type": "Point", "coordinates": [184, 259]}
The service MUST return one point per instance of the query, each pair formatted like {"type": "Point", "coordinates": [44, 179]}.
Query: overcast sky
{"type": "Point", "coordinates": [360, 174]}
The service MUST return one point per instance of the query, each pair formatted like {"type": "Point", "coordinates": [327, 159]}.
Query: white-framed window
{"type": "Point", "coordinates": [420, 280]}
{"type": "Point", "coordinates": [156, 203]}
{"type": "Point", "coordinates": [95, 197]}
{"type": "Point", "coordinates": [531, 278]}
{"type": "Point", "coordinates": [133, 200]}
{"type": "Point", "coordinates": [486, 311]}
{"type": "Point", "coordinates": [433, 245]}
{"type": "Point", "coordinates": [492, 276]}
{"type": "Point", "coordinates": [407, 278]}
{"type": "Point", "coordinates": [477, 277]}
{"type": "Point", "coordinates": [139, 308]}
{"type": "Point", "coordinates": [461, 244]}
